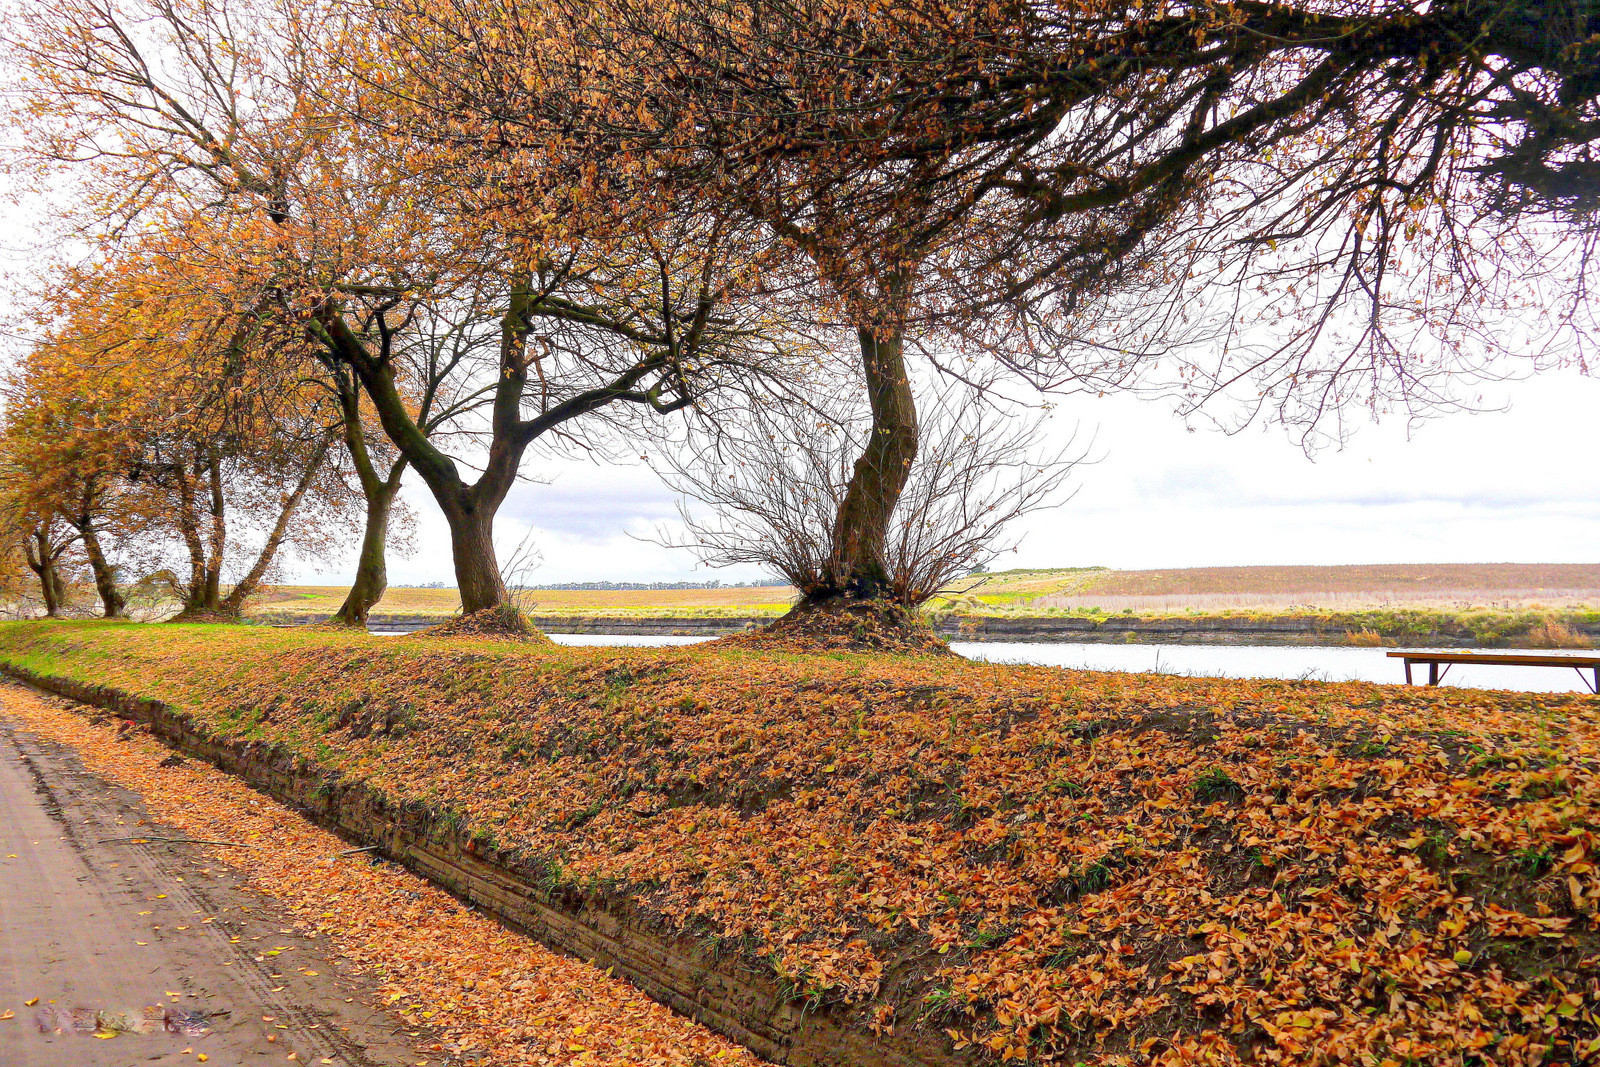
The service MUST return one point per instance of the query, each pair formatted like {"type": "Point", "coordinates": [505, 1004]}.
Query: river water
{"type": "Point", "coordinates": [1218, 661]}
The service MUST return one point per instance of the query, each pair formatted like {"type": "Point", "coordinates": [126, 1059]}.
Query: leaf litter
{"type": "Point", "coordinates": [1049, 866]}
{"type": "Point", "coordinates": [444, 970]}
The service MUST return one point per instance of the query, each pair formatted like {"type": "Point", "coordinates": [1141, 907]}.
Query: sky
{"type": "Point", "coordinates": [1512, 485]}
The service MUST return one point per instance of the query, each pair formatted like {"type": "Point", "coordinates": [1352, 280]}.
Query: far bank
{"type": "Point", "coordinates": [1480, 629]}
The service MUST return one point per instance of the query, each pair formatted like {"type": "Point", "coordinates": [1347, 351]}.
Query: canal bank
{"type": "Point", "coordinates": [1366, 628]}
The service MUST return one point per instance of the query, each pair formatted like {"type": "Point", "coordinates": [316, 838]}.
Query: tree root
{"type": "Point", "coordinates": [843, 625]}
{"type": "Point", "coordinates": [501, 622]}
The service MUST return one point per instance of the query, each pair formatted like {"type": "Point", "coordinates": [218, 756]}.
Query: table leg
{"type": "Point", "coordinates": [1408, 672]}
{"type": "Point", "coordinates": [1433, 672]}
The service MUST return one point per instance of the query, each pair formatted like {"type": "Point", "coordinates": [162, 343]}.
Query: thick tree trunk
{"type": "Point", "coordinates": [113, 604]}
{"type": "Point", "coordinates": [58, 585]}
{"type": "Point", "coordinates": [469, 509]}
{"type": "Point", "coordinates": [862, 526]}
{"type": "Point", "coordinates": [372, 574]}
{"type": "Point", "coordinates": [472, 549]}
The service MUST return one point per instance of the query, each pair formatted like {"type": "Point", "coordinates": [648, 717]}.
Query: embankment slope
{"type": "Point", "coordinates": [958, 861]}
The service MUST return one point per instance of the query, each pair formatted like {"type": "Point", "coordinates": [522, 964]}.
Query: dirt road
{"type": "Point", "coordinates": [92, 920]}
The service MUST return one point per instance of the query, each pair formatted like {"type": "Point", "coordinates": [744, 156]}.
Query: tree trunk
{"type": "Point", "coordinates": [59, 585]}
{"type": "Point", "coordinates": [233, 603]}
{"type": "Point", "coordinates": [44, 566]}
{"type": "Point", "coordinates": [217, 543]}
{"type": "Point", "coordinates": [189, 527]}
{"type": "Point", "coordinates": [472, 549]}
{"type": "Point", "coordinates": [469, 509]}
{"type": "Point", "coordinates": [372, 574]}
{"type": "Point", "coordinates": [113, 604]}
{"type": "Point", "coordinates": [861, 528]}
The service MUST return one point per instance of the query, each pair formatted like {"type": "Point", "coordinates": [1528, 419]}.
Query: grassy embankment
{"type": "Point", "coordinates": [1531, 604]}
{"type": "Point", "coordinates": [1055, 866]}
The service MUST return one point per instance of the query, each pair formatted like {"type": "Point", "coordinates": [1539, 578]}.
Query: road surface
{"type": "Point", "coordinates": [90, 924]}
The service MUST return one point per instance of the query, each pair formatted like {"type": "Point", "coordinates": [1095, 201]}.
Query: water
{"type": "Point", "coordinates": [628, 640]}
{"type": "Point", "coordinates": [1218, 661]}
{"type": "Point", "coordinates": [1272, 661]}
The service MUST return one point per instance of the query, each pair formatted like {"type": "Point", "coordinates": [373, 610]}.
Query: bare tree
{"type": "Point", "coordinates": [523, 559]}
{"type": "Point", "coordinates": [773, 487]}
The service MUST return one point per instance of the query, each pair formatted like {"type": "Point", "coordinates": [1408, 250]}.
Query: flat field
{"type": "Point", "coordinates": [1043, 866]}
{"type": "Point", "coordinates": [1438, 587]}
{"type": "Point", "coordinates": [314, 599]}
{"type": "Point", "coordinates": [1431, 586]}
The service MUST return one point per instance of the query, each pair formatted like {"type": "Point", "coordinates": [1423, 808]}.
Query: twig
{"type": "Point", "coordinates": [175, 841]}
{"type": "Point", "coordinates": [363, 848]}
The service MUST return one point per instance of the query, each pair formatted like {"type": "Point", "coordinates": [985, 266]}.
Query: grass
{"type": "Point", "coordinates": [1067, 865]}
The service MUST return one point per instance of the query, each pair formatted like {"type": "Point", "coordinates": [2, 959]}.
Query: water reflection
{"type": "Point", "coordinates": [1216, 661]}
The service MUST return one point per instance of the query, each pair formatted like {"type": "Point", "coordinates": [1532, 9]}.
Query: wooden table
{"type": "Point", "coordinates": [1435, 660]}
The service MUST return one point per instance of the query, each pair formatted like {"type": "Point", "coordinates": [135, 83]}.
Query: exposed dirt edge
{"type": "Point", "coordinates": [746, 1003]}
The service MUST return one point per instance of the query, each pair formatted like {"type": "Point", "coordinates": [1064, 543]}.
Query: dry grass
{"type": "Point", "coordinates": [1552, 633]}
{"type": "Point", "coordinates": [1326, 601]}
{"type": "Point", "coordinates": [1409, 580]}
{"type": "Point", "coordinates": [1280, 590]}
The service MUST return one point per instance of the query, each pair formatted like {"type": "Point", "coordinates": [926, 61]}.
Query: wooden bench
{"type": "Point", "coordinates": [1435, 660]}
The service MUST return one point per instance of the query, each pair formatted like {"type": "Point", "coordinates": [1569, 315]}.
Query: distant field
{"type": "Point", "coordinates": [1443, 586]}
{"type": "Point", "coordinates": [1438, 586]}
{"type": "Point", "coordinates": [1432, 579]}
{"type": "Point", "coordinates": [312, 599]}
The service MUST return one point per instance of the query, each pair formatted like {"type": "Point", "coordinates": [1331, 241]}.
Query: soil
{"type": "Point", "coordinates": [843, 626]}
{"type": "Point", "coordinates": [101, 916]}
{"type": "Point", "coordinates": [490, 622]}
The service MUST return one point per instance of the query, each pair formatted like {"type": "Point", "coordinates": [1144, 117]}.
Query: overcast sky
{"type": "Point", "coordinates": [1497, 486]}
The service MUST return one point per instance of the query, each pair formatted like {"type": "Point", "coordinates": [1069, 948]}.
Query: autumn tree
{"type": "Point", "coordinates": [361, 236]}
{"type": "Point", "coordinates": [201, 123]}
{"type": "Point", "coordinates": [180, 404]}
{"type": "Point", "coordinates": [48, 512]}
{"type": "Point", "coordinates": [767, 490]}
{"type": "Point", "coordinates": [1322, 204]}
{"type": "Point", "coordinates": [67, 445]}
{"type": "Point", "coordinates": [41, 540]}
